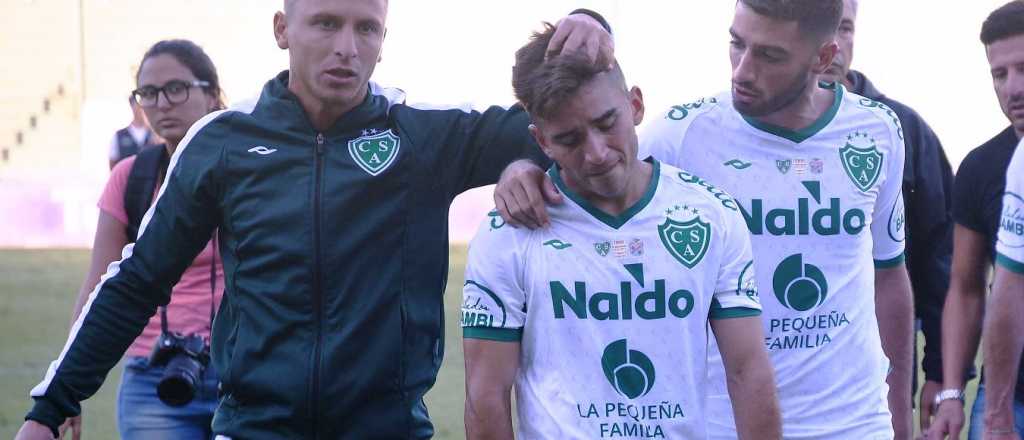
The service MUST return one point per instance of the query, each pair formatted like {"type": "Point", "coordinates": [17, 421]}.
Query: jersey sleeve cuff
{"type": "Point", "coordinates": [493, 334]}
{"type": "Point", "coordinates": [735, 312]}
{"type": "Point", "coordinates": [48, 414]}
{"type": "Point", "coordinates": [1010, 264]}
{"type": "Point", "coordinates": [892, 262]}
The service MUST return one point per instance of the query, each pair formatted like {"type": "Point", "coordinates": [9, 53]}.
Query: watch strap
{"type": "Point", "coordinates": [949, 394]}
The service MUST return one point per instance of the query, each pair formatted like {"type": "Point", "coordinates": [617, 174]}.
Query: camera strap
{"type": "Point", "coordinates": [213, 282]}
{"type": "Point", "coordinates": [213, 291]}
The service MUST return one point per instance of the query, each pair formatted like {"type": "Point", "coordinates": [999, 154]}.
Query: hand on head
{"type": "Point", "coordinates": [582, 33]}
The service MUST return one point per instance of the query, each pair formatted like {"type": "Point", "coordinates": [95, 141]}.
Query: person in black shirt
{"type": "Point", "coordinates": [927, 185]}
{"type": "Point", "coordinates": [980, 181]}
{"type": "Point", "coordinates": [977, 206]}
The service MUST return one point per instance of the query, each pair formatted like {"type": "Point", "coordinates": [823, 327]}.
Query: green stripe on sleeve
{"type": "Point", "coordinates": [493, 334]}
{"type": "Point", "coordinates": [735, 312]}
{"type": "Point", "coordinates": [1010, 264]}
{"type": "Point", "coordinates": [886, 264]}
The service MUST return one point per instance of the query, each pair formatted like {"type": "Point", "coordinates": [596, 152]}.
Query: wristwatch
{"type": "Point", "coordinates": [948, 394]}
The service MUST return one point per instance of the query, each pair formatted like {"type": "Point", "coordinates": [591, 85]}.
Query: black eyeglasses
{"type": "Point", "coordinates": [175, 92]}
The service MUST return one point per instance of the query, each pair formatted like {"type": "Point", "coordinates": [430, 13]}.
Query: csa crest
{"type": "Point", "coordinates": [861, 160]}
{"type": "Point", "coordinates": [602, 248]}
{"type": "Point", "coordinates": [376, 152]}
{"type": "Point", "coordinates": [687, 241]}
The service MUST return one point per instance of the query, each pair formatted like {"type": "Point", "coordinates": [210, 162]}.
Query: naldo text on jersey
{"type": "Point", "coordinates": [829, 220]}
{"type": "Point", "coordinates": [605, 306]}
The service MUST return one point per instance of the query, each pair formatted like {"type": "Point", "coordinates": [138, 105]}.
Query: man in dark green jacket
{"type": "Point", "coordinates": [331, 199]}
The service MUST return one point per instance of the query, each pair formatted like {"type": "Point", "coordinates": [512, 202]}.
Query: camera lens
{"type": "Point", "coordinates": [178, 385]}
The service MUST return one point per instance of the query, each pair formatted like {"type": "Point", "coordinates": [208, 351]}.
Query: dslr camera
{"type": "Point", "coordinates": [186, 359]}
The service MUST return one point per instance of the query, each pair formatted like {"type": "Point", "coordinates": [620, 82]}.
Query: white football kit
{"type": "Point", "coordinates": [612, 312]}
{"type": "Point", "coordinates": [824, 208]}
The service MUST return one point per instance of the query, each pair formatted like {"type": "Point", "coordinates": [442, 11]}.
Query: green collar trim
{"type": "Point", "coordinates": [803, 134]}
{"type": "Point", "coordinates": [604, 217]}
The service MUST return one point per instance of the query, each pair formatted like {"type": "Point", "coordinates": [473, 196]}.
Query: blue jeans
{"type": "Point", "coordinates": [977, 429]}
{"type": "Point", "coordinates": [141, 414]}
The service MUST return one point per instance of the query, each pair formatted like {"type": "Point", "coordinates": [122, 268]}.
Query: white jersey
{"type": "Point", "coordinates": [612, 312]}
{"type": "Point", "coordinates": [824, 208]}
{"type": "Point", "coordinates": [1010, 247]}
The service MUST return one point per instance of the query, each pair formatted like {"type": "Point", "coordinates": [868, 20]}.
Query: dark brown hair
{"type": "Point", "coordinates": [818, 18]}
{"type": "Point", "coordinates": [541, 84]}
{"type": "Point", "coordinates": [192, 57]}
{"type": "Point", "coordinates": [1005, 22]}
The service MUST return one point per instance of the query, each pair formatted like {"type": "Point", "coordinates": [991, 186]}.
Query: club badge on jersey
{"type": "Point", "coordinates": [374, 151]}
{"type": "Point", "coordinates": [861, 160]}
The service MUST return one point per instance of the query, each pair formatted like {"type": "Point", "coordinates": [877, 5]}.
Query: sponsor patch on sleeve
{"type": "Point", "coordinates": [898, 220]}
{"type": "Point", "coordinates": [1011, 223]}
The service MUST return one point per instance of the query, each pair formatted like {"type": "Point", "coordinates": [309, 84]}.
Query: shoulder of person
{"type": "Point", "coordinates": [663, 135]}
{"type": "Point", "coordinates": [435, 114]}
{"type": "Point", "coordinates": [696, 187]}
{"type": "Point", "coordinates": [910, 119]}
{"type": "Point", "coordinates": [120, 173]}
{"type": "Point", "coordinates": [495, 232]}
{"type": "Point", "coordinates": [432, 123]}
{"type": "Point", "coordinates": [395, 101]}
{"type": "Point", "coordinates": [123, 167]}
{"type": "Point", "coordinates": [212, 129]}
{"type": "Point", "coordinates": [994, 153]}
{"type": "Point", "coordinates": [878, 113]}
{"type": "Point", "coordinates": [867, 105]}
{"type": "Point", "coordinates": [687, 112]}
{"type": "Point", "coordinates": [1002, 144]}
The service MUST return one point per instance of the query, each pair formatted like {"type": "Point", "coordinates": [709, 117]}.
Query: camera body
{"type": "Point", "coordinates": [186, 358]}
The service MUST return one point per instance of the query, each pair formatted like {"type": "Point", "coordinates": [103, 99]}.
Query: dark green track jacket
{"type": "Point", "coordinates": [335, 249]}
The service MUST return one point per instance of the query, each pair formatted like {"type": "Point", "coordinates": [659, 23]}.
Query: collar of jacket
{"type": "Point", "coordinates": [860, 85]}
{"type": "Point", "coordinates": [280, 105]}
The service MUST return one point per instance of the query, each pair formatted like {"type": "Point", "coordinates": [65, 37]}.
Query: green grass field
{"type": "Point", "coordinates": [37, 291]}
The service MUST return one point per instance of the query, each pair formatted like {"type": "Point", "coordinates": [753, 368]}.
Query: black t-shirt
{"type": "Point", "coordinates": [978, 193]}
{"type": "Point", "coordinates": [979, 185]}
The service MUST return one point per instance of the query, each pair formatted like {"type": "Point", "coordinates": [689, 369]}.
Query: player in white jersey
{"type": "Point", "coordinates": [823, 204]}
{"type": "Point", "coordinates": [601, 322]}
{"type": "Point", "coordinates": [825, 212]}
{"type": "Point", "coordinates": [818, 172]}
{"type": "Point", "coordinates": [1004, 325]}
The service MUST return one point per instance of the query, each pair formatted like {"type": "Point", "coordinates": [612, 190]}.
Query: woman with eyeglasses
{"type": "Point", "coordinates": [177, 84]}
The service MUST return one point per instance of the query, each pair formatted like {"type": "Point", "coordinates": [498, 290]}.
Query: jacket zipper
{"type": "Point", "coordinates": [317, 287]}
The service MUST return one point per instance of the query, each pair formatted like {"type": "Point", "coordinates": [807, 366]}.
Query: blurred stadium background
{"type": "Point", "coordinates": [69, 65]}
